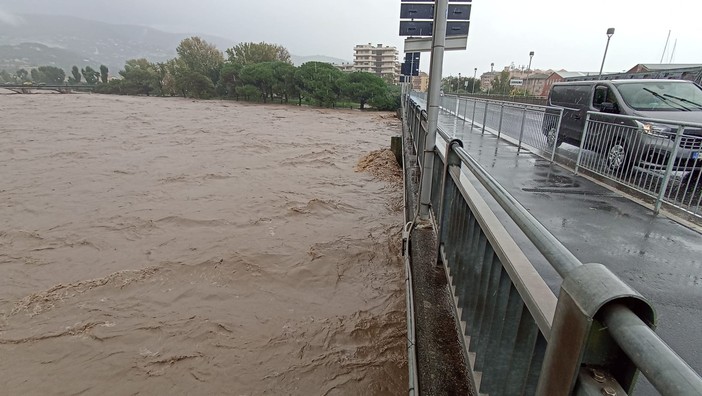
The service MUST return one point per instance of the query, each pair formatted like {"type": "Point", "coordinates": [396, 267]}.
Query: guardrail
{"type": "Point", "coordinates": [659, 158]}
{"type": "Point", "coordinates": [591, 340]}
{"type": "Point", "coordinates": [645, 164]}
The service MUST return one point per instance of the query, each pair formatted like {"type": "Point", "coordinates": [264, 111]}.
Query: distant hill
{"type": "Point", "coordinates": [298, 60]}
{"type": "Point", "coordinates": [64, 41]}
{"type": "Point", "coordinates": [29, 55]}
{"type": "Point", "coordinates": [82, 42]}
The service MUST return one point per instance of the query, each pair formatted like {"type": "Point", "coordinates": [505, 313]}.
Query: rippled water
{"type": "Point", "coordinates": [169, 246]}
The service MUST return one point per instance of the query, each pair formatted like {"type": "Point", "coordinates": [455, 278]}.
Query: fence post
{"type": "Point", "coordinates": [458, 103]}
{"type": "Point", "coordinates": [582, 143]}
{"type": "Point", "coordinates": [485, 117]}
{"type": "Point", "coordinates": [558, 132]}
{"type": "Point", "coordinates": [465, 111]}
{"type": "Point", "coordinates": [499, 126]}
{"type": "Point", "coordinates": [579, 336]}
{"type": "Point", "coordinates": [521, 130]}
{"type": "Point", "coordinates": [472, 118]}
{"type": "Point", "coordinates": [668, 170]}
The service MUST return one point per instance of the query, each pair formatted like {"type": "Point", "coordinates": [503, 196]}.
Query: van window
{"type": "Point", "coordinates": [570, 95]}
{"type": "Point", "coordinates": [662, 96]}
{"type": "Point", "coordinates": [603, 94]}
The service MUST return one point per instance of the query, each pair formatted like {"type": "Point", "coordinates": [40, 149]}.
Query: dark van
{"type": "Point", "coordinates": [637, 143]}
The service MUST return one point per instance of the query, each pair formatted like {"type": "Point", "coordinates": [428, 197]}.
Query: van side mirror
{"type": "Point", "coordinates": [609, 107]}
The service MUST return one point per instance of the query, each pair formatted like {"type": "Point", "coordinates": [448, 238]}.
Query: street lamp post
{"type": "Point", "coordinates": [610, 32]}
{"type": "Point", "coordinates": [458, 83]}
{"type": "Point", "coordinates": [475, 71]}
{"type": "Point", "coordinates": [492, 65]}
{"type": "Point", "coordinates": [526, 86]}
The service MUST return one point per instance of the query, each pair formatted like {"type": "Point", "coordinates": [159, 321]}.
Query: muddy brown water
{"type": "Point", "coordinates": [170, 246]}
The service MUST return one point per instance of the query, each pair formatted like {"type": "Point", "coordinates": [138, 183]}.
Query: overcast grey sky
{"type": "Point", "coordinates": [563, 34]}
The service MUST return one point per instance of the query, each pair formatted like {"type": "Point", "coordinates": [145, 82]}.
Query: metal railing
{"type": "Point", "coordinates": [659, 158]}
{"type": "Point", "coordinates": [521, 339]}
{"type": "Point", "coordinates": [653, 164]}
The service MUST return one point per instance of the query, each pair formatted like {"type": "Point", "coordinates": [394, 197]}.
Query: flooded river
{"type": "Point", "coordinates": [170, 246]}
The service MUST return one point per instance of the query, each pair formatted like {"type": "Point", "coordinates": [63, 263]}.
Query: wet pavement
{"type": "Point", "coordinates": [659, 257]}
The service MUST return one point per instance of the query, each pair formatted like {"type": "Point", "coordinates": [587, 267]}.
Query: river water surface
{"type": "Point", "coordinates": [170, 246]}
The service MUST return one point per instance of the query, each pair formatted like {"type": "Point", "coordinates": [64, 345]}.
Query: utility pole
{"type": "Point", "coordinates": [437, 62]}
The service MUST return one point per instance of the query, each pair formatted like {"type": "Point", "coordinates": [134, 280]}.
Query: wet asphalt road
{"type": "Point", "coordinates": [657, 256]}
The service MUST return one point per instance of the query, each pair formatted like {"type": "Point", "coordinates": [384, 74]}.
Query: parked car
{"type": "Point", "coordinates": [629, 142]}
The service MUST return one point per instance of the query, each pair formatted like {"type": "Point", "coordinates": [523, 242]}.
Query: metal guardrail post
{"type": "Point", "coordinates": [558, 133]}
{"type": "Point", "coordinates": [465, 111]}
{"type": "Point", "coordinates": [472, 118]}
{"type": "Point", "coordinates": [578, 335]}
{"type": "Point", "coordinates": [582, 143]}
{"type": "Point", "coordinates": [499, 126]}
{"type": "Point", "coordinates": [521, 130]}
{"type": "Point", "coordinates": [485, 117]}
{"type": "Point", "coordinates": [668, 169]}
{"type": "Point", "coordinates": [458, 103]}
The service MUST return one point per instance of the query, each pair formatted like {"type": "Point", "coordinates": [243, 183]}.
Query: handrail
{"type": "Point", "coordinates": [634, 118]}
{"type": "Point", "coordinates": [558, 255]}
{"type": "Point", "coordinates": [660, 364]}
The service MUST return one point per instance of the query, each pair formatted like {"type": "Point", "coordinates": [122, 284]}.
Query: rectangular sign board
{"type": "Point", "coordinates": [419, 28]}
{"type": "Point", "coordinates": [425, 28]}
{"type": "Point", "coordinates": [454, 28]}
{"type": "Point", "coordinates": [423, 44]}
{"type": "Point", "coordinates": [417, 11]}
{"type": "Point", "coordinates": [515, 82]}
{"type": "Point", "coordinates": [458, 12]}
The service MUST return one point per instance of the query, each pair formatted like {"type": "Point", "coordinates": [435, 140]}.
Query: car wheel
{"type": "Point", "coordinates": [618, 158]}
{"type": "Point", "coordinates": [551, 138]}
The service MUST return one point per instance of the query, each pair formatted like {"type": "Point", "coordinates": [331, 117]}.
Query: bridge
{"type": "Point", "coordinates": [27, 89]}
{"type": "Point", "coordinates": [558, 277]}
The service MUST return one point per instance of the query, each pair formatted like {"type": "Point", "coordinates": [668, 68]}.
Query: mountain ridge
{"type": "Point", "coordinates": [38, 40]}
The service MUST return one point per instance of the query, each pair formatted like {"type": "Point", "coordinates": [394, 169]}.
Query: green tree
{"type": "Point", "coordinates": [197, 85]}
{"type": "Point", "coordinates": [90, 75]}
{"type": "Point", "coordinates": [389, 101]}
{"type": "Point", "coordinates": [76, 77]}
{"type": "Point", "coordinates": [6, 77]}
{"type": "Point", "coordinates": [500, 84]}
{"type": "Point", "coordinates": [229, 78]}
{"type": "Point", "coordinates": [247, 91]}
{"type": "Point", "coordinates": [52, 75]}
{"type": "Point", "coordinates": [22, 75]}
{"type": "Point", "coordinates": [319, 81]}
{"type": "Point", "coordinates": [103, 74]}
{"type": "Point", "coordinates": [201, 57]}
{"type": "Point", "coordinates": [251, 53]}
{"type": "Point", "coordinates": [259, 75]}
{"type": "Point", "coordinates": [361, 86]}
{"type": "Point", "coordinates": [284, 80]}
{"type": "Point", "coordinates": [140, 76]}
{"type": "Point", "coordinates": [36, 76]}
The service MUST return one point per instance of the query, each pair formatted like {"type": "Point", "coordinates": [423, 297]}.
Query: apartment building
{"type": "Point", "coordinates": [377, 59]}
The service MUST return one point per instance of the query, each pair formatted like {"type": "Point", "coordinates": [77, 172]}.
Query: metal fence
{"type": "Point", "coordinates": [521, 339]}
{"type": "Point", "coordinates": [659, 158]}
{"type": "Point", "coordinates": [522, 124]}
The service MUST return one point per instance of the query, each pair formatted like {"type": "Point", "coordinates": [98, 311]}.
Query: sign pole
{"type": "Point", "coordinates": [433, 103]}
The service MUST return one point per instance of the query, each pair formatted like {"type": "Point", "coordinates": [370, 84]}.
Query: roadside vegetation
{"type": "Point", "coordinates": [258, 72]}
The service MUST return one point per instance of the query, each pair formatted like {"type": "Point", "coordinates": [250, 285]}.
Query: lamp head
{"type": "Point", "coordinates": [610, 32]}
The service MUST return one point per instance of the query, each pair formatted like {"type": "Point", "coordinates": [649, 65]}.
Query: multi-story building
{"type": "Point", "coordinates": [421, 82]}
{"type": "Point", "coordinates": [379, 59]}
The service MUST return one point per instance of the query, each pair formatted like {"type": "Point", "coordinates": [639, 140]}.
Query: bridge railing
{"type": "Point", "coordinates": [658, 158]}
{"type": "Point", "coordinates": [656, 164]}
{"type": "Point", "coordinates": [593, 339]}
